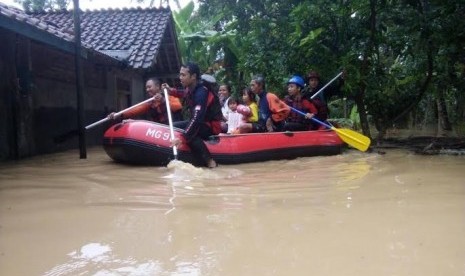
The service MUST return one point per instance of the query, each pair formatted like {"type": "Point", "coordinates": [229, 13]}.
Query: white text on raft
{"type": "Point", "coordinates": [157, 134]}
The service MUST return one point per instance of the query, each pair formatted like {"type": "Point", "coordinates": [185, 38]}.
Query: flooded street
{"type": "Point", "coordinates": [351, 214]}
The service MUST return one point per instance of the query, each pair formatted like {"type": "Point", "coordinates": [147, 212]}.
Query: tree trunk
{"type": "Point", "coordinates": [359, 98]}
{"type": "Point", "coordinates": [444, 124]}
{"type": "Point", "coordinates": [362, 113]}
{"type": "Point", "coordinates": [381, 127]}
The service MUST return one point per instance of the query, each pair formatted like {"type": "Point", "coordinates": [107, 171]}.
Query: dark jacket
{"type": "Point", "coordinates": [321, 100]}
{"type": "Point", "coordinates": [326, 94]}
{"type": "Point", "coordinates": [302, 104]}
{"type": "Point", "coordinates": [205, 108]}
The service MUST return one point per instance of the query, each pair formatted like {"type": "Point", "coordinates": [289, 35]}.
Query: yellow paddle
{"type": "Point", "coordinates": [350, 137]}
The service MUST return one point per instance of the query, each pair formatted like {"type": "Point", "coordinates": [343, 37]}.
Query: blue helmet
{"type": "Point", "coordinates": [297, 80]}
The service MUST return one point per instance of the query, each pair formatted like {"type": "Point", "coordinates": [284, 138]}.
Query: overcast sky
{"type": "Point", "coordinates": [105, 4]}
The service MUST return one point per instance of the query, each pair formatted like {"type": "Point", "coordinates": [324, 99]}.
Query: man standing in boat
{"type": "Point", "coordinates": [205, 114]}
{"type": "Point", "coordinates": [271, 110]}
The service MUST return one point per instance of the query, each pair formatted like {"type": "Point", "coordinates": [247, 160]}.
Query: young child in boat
{"type": "Point", "coordinates": [249, 99]}
{"type": "Point", "coordinates": [236, 115]}
{"type": "Point", "coordinates": [295, 99]}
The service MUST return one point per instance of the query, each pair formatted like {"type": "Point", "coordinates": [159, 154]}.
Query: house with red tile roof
{"type": "Point", "coordinates": [121, 48]}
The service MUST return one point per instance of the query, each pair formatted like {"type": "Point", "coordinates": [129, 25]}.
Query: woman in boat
{"type": "Point", "coordinates": [295, 121]}
{"type": "Point", "coordinates": [224, 93]}
{"type": "Point", "coordinates": [156, 109]}
{"type": "Point", "coordinates": [271, 110]}
{"type": "Point", "coordinates": [205, 114]}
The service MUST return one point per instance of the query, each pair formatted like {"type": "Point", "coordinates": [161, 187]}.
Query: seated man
{"type": "Point", "coordinates": [296, 121]}
{"type": "Point", "coordinates": [320, 101]}
{"type": "Point", "coordinates": [155, 110]}
{"type": "Point", "coordinates": [271, 110]}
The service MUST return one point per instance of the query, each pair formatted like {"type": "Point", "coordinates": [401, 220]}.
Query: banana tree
{"type": "Point", "coordinates": [201, 40]}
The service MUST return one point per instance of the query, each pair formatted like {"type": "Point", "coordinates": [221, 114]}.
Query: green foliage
{"type": "Point", "coordinates": [355, 117]}
{"type": "Point", "coordinates": [400, 56]}
{"type": "Point", "coordinates": [202, 40]}
{"type": "Point", "coordinates": [43, 5]}
{"type": "Point", "coordinates": [386, 47]}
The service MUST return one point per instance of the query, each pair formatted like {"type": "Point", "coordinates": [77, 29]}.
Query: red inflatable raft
{"type": "Point", "coordinates": [148, 143]}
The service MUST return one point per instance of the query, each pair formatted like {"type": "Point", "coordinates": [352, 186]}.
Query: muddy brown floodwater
{"type": "Point", "coordinates": [351, 214]}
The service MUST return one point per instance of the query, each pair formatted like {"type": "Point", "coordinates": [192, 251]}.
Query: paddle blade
{"type": "Point", "coordinates": [353, 138]}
